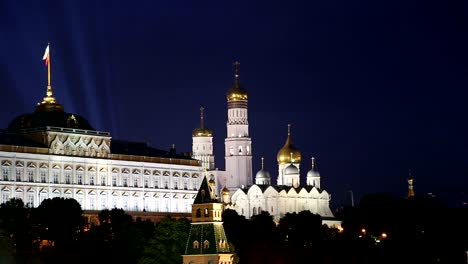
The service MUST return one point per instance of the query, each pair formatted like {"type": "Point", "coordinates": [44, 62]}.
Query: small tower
{"type": "Point", "coordinates": [202, 144]}
{"type": "Point", "coordinates": [226, 195]}
{"type": "Point", "coordinates": [207, 242]}
{"type": "Point", "coordinates": [263, 177]}
{"type": "Point", "coordinates": [238, 149]}
{"type": "Point", "coordinates": [287, 155]}
{"type": "Point", "coordinates": [313, 176]}
{"type": "Point", "coordinates": [411, 192]}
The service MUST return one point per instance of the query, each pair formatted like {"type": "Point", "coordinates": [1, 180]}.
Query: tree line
{"type": "Point", "coordinates": [381, 229]}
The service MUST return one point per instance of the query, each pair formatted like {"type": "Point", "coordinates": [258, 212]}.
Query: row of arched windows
{"type": "Point", "coordinates": [206, 244]}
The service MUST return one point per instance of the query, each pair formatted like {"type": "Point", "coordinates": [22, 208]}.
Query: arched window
{"type": "Point", "coordinates": [254, 211]}
{"type": "Point", "coordinates": [222, 243]}
{"type": "Point", "coordinates": [231, 151]}
{"type": "Point", "coordinates": [240, 150]}
{"type": "Point", "coordinates": [206, 212]}
{"type": "Point", "coordinates": [206, 244]}
{"type": "Point", "coordinates": [196, 244]}
{"type": "Point", "coordinates": [259, 209]}
{"type": "Point", "coordinates": [198, 212]}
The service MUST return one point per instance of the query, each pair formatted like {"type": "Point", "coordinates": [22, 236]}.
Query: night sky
{"type": "Point", "coordinates": [372, 88]}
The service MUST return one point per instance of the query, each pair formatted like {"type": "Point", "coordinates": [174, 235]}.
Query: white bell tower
{"type": "Point", "coordinates": [202, 144]}
{"type": "Point", "coordinates": [238, 145]}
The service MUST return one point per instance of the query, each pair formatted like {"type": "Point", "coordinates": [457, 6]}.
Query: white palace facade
{"type": "Point", "coordinates": [50, 153]}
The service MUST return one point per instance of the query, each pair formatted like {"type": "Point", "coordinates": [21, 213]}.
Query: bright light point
{"type": "Point", "coordinates": [340, 229]}
{"type": "Point", "coordinates": [384, 235]}
{"type": "Point", "coordinates": [363, 230]}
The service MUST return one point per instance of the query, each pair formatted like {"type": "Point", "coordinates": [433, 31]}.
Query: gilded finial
{"type": "Point", "coordinates": [313, 162]}
{"type": "Point", "coordinates": [262, 162]}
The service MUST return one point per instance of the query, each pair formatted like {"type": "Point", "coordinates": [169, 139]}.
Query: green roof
{"type": "Point", "coordinates": [207, 238]}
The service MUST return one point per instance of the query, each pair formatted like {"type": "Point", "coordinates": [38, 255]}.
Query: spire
{"type": "Point", "coordinates": [313, 163]}
{"type": "Point", "coordinates": [48, 102]}
{"type": "Point", "coordinates": [262, 162]}
{"type": "Point", "coordinates": [236, 72]}
{"type": "Point", "coordinates": [288, 139]}
{"type": "Point", "coordinates": [202, 122]}
{"type": "Point", "coordinates": [411, 192]}
{"type": "Point", "coordinates": [204, 195]}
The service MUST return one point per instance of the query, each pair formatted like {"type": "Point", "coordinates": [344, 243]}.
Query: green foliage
{"type": "Point", "coordinates": [168, 242]}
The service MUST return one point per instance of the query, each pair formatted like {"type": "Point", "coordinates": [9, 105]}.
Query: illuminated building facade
{"type": "Point", "coordinates": [50, 153]}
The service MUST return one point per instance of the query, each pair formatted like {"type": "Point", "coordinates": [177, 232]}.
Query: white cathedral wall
{"type": "Point", "coordinates": [279, 204]}
{"type": "Point", "coordinates": [105, 183]}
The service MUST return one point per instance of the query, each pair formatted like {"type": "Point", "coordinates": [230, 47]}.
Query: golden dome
{"type": "Point", "coordinates": [236, 92]}
{"type": "Point", "coordinates": [202, 131]}
{"type": "Point", "coordinates": [225, 191]}
{"type": "Point", "coordinates": [288, 153]}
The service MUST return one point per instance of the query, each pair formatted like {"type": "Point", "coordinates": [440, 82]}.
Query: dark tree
{"type": "Point", "coordinates": [16, 226]}
{"type": "Point", "coordinates": [168, 242]}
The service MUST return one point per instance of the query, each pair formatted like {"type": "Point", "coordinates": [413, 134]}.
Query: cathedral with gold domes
{"type": "Point", "coordinates": [236, 186]}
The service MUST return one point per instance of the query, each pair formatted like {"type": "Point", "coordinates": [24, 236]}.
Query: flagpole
{"type": "Point", "coordinates": [49, 88]}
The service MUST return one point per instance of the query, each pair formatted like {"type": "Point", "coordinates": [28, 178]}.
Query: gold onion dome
{"type": "Point", "coordinates": [236, 92]}
{"type": "Point", "coordinates": [225, 191]}
{"type": "Point", "coordinates": [288, 153]}
{"type": "Point", "coordinates": [202, 131]}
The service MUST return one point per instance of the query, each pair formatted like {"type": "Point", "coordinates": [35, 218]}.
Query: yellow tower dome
{"type": "Point", "coordinates": [202, 131]}
{"type": "Point", "coordinates": [288, 153]}
{"type": "Point", "coordinates": [225, 191]}
{"type": "Point", "coordinates": [236, 92]}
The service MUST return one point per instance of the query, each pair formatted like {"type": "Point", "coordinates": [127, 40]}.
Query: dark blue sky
{"type": "Point", "coordinates": [372, 88]}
